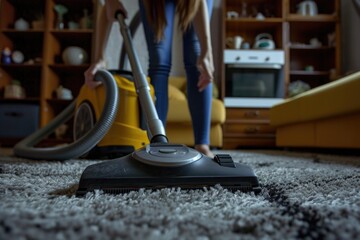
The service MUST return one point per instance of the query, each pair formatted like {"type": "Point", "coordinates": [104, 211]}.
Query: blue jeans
{"type": "Point", "coordinates": [160, 65]}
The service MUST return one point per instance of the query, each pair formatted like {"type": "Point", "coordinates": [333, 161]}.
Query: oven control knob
{"type": "Point", "coordinates": [237, 58]}
{"type": "Point", "coordinates": [267, 59]}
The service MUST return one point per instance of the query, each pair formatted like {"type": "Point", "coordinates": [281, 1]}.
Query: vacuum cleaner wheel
{"type": "Point", "coordinates": [83, 120]}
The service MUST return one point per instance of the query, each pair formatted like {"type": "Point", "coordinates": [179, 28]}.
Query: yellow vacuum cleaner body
{"type": "Point", "coordinates": [127, 130]}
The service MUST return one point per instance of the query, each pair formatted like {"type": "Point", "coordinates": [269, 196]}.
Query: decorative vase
{"type": "Point", "coordinates": [14, 90]}
{"type": "Point", "coordinates": [6, 56]}
{"type": "Point", "coordinates": [60, 10]}
{"type": "Point", "coordinates": [74, 55]}
{"type": "Point", "coordinates": [85, 21]}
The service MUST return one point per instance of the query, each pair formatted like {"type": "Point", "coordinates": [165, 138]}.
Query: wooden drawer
{"type": "Point", "coordinates": [235, 129]}
{"type": "Point", "coordinates": [247, 113]}
{"type": "Point", "coordinates": [246, 127]}
{"type": "Point", "coordinates": [236, 143]}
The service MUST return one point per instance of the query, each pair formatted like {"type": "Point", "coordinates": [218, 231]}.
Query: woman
{"type": "Point", "coordinates": [158, 21]}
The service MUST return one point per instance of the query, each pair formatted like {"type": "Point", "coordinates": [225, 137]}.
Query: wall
{"type": "Point", "coordinates": [350, 21]}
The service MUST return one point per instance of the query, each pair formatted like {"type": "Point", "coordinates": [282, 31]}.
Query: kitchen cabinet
{"type": "Point", "coordinates": [308, 35]}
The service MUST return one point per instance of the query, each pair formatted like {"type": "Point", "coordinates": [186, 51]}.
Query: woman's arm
{"type": "Point", "coordinates": [205, 60]}
{"type": "Point", "coordinates": [104, 24]}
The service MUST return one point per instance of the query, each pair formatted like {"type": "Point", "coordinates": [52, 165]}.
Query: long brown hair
{"type": "Point", "coordinates": [155, 10]}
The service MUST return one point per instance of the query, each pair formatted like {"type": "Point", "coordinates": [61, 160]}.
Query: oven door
{"type": "Point", "coordinates": [253, 85]}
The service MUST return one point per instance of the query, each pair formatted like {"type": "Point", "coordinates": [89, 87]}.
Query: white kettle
{"type": "Point", "coordinates": [307, 8]}
{"type": "Point", "coordinates": [264, 41]}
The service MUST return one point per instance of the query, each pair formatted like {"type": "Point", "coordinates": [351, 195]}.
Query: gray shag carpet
{"type": "Point", "coordinates": [304, 196]}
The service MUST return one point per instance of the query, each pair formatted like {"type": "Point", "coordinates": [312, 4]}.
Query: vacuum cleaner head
{"type": "Point", "coordinates": [165, 166]}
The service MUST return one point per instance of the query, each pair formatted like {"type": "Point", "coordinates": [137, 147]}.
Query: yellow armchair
{"type": "Point", "coordinates": [324, 117]}
{"type": "Point", "coordinates": [179, 127]}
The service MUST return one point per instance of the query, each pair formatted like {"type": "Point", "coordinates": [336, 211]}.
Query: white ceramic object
{"type": "Point", "coordinates": [307, 8]}
{"type": "Point", "coordinates": [264, 41]}
{"type": "Point", "coordinates": [73, 25]}
{"type": "Point", "coordinates": [21, 24]}
{"type": "Point", "coordinates": [234, 42]}
{"type": "Point", "coordinates": [17, 57]}
{"type": "Point", "coordinates": [232, 14]}
{"type": "Point", "coordinates": [74, 55]}
{"type": "Point", "coordinates": [64, 93]}
{"type": "Point", "coordinates": [14, 91]}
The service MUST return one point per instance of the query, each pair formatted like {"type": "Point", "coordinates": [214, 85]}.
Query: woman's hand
{"type": "Point", "coordinates": [112, 6]}
{"type": "Point", "coordinates": [205, 66]}
{"type": "Point", "coordinates": [90, 74]}
{"type": "Point", "coordinates": [205, 63]}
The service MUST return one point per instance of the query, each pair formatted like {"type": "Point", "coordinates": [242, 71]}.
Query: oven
{"type": "Point", "coordinates": [254, 78]}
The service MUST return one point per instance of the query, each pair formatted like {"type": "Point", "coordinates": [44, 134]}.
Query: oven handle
{"type": "Point", "coordinates": [254, 66]}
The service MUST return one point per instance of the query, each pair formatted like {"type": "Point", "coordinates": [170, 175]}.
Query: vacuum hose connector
{"type": "Point", "coordinates": [25, 148]}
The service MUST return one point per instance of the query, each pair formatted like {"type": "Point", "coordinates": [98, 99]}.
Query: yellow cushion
{"type": "Point", "coordinates": [178, 82]}
{"type": "Point", "coordinates": [332, 99]}
{"type": "Point", "coordinates": [179, 112]}
{"type": "Point", "coordinates": [175, 93]}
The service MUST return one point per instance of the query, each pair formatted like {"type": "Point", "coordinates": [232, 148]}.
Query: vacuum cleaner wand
{"type": "Point", "coordinates": [155, 125]}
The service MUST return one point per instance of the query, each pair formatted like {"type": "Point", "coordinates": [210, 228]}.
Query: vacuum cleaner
{"type": "Point", "coordinates": [158, 164]}
{"type": "Point", "coordinates": [130, 122]}
{"type": "Point", "coordinates": [100, 131]}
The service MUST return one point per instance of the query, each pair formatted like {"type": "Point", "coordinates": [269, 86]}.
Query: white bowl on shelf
{"type": "Point", "coordinates": [74, 55]}
{"type": "Point", "coordinates": [21, 24]}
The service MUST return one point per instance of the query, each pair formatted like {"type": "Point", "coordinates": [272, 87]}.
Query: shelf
{"type": "Point", "coordinates": [268, 8]}
{"type": "Point", "coordinates": [316, 18]}
{"type": "Point", "coordinates": [32, 100]}
{"type": "Point", "coordinates": [253, 24]}
{"type": "Point", "coordinates": [23, 71]}
{"type": "Point", "coordinates": [27, 3]}
{"type": "Point", "coordinates": [16, 66]}
{"type": "Point", "coordinates": [254, 20]}
{"type": "Point", "coordinates": [79, 36]}
{"type": "Point", "coordinates": [309, 47]}
{"type": "Point", "coordinates": [35, 37]}
{"type": "Point", "coordinates": [79, 3]}
{"type": "Point", "coordinates": [311, 26]}
{"type": "Point", "coordinates": [58, 102]}
{"type": "Point", "coordinates": [14, 32]}
{"type": "Point", "coordinates": [72, 32]}
{"type": "Point", "coordinates": [61, 68]}
{"type": "Point", "coordinates": [249, 28]}
{"type": "Point", "coordinates": [309, 73]}
{"type": "Point", "coordinates": [58, 105]}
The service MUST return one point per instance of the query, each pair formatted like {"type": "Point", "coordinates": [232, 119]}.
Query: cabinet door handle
{"type": "Point", "coordinates": [252, 114]}
{"type": "Point", "coordinates": [251, 129]}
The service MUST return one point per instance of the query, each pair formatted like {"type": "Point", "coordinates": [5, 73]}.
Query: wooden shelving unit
{"type": "Point", "coordinates": [43, 69]}
{"type": "Point", "coordinates": [292, 33]}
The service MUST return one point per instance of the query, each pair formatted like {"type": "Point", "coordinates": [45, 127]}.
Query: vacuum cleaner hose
{"type": "Point", "coordinates": [25, 148]}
